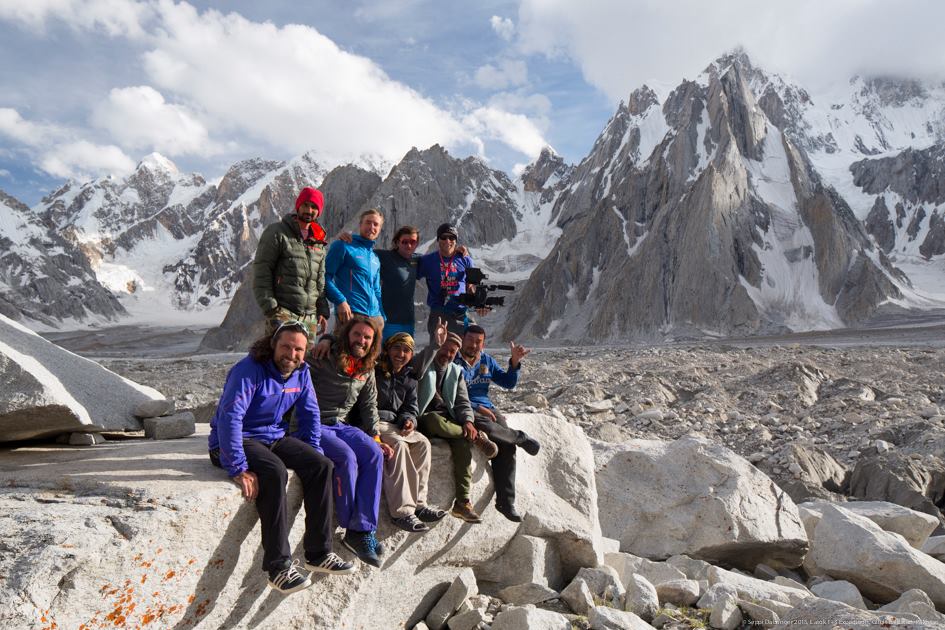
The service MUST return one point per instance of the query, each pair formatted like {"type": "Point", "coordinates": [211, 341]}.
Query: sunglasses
{"type": "Point", "coordinates": [447, 237]}
{"type": "Point", "coordinates": [291, 324]}
{"type": "Point", "coordinates": [408, 241]}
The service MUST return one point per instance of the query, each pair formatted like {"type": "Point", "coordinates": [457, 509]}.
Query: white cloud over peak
{"type": "Point", "coordinates": [504, 27]}
{"type": "Point", "coordinates": [139, 118]}
{"type": "Point", "coordinates": [206, 83]}
{"type": "Point", "coordinates": [515, 130]}
{"type": "Point", "coordinates": [85, 160]}
{"type": "Point", "coordinates": [14, 126]}
{"type": "Point", "coordinates": [621, 44]}
{"type": "Point", "coordinates": [508, 73]}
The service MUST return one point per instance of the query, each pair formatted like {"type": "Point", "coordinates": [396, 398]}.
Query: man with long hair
{"type": "Point", "coordinates": [248, 439]}
{"type": "Point", "coordinates": [347, 395]}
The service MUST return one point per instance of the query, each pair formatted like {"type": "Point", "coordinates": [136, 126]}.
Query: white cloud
{"type": "Point", "coordinates": [515, 130]}
{"type": "Point", "coordinates": [18, 128]}
{"type": "Point", "coordinates": [537, 105]}
{"type": "Point", "coordinates": [58, 153]}
{"type": "Point", "coordinates": [84, 160]}
{"type": "Point", "coordinates": [620, 44]}
{"type": "Point", "coordinates": [139, 118]}
{"type": "Point", "coordinates": [290, 87]}
{"type": "Point", "coordinates": [504, 27]}
{"type": "Point", "coordinates": [115, 17]}
{"type": "Point", "coordinates": [509, 73]}
{"type": "Point", "coordinates": [5, 173]}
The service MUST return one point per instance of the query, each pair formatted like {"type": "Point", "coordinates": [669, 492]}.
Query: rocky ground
{"type": "Point", "coordinates": [756, 399]}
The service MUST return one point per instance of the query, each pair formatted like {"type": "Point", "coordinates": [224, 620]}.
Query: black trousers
{"type": "Point", "coordinates": [270, 464]}
{"type": "Point", "coordinates": [503, 464]}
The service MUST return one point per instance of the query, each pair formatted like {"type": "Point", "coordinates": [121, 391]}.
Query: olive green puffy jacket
{"type": "Point", "coordinates": [286, 273]}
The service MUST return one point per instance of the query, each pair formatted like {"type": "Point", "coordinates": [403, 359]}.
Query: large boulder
{"type": "Point", "coordinates": [912, 480]}
{"type": "Point", "coordinates": [152, 524]}
{"type": "Point", "coordinates": [694, 497]}
{"type": "Point", "coordinates": [881, 564]}
{"type": "Point", "coordinates": [914, 526]}
{"type": "Point", "coordinates": [46, 390]}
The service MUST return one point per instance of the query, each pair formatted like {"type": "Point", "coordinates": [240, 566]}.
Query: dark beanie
{"type": "Point", "coordinates": [313, 195]}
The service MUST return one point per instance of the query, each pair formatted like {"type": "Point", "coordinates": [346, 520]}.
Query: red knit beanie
{"type": "Point", "coordinates": [312, 195]}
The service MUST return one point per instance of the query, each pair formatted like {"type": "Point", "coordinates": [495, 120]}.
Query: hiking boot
{"type": "Point", "coordinates": [529, 444]}
{"type": "Point", "coordinates": [410, 523]}
{"type": "Point", "coordinates": [289, 579]}
{"type": "Point", "coordinates": [428, 514]}
{"type": "Point", "coordinates": [464, 510]}
{"type": "Point", "coordinates": [330, 563]}
{"type": "Point", "coordinates": [362, 544]}
{"type": "Point", "coordinates": [487, 446]}
{"type": "Point", "coordinates": [508, 511]}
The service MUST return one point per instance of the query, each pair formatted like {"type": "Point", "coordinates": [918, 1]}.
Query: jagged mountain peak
{"type": "Point", "coordinates": [157, 162]}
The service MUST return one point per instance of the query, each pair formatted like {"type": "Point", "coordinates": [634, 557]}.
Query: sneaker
{"type": "Point", "coordinates": [410, 523]}
{"type": "Point", "coordinates": [330, 563]}
{"type": "Point", "coordinates": [464, 510]}
{"type": "Point", "coordinates": [362, 544]}
{"type": "Point", "coordinates": [289, 580]}
{"type": "Point", "coordinates": [529, 444]}
{"type": "Point", "coordinates": [429, 515]}
{"type": "Point", "coordinates": [509, 512]}
{"type": "Point", "coordinates": [487, 446]}
{"type": "Point", "coordinates": [378, 545]}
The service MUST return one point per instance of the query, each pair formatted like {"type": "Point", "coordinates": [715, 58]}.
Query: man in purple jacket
{"type": "Point", "coordinates": [248, 439]}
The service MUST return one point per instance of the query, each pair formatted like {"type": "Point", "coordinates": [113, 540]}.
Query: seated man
{"type": "Point", "coordinates": [248, 439]}
{"type": "Point", "coordinates": [446, 413]}
{"type": "Point", "coordinates": [347, 394]}
{"type": "Point", "coordinates": [479, 369]}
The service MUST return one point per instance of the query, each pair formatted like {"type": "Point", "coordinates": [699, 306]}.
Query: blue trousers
{"type": "Point", "coordinates": [359, 466]}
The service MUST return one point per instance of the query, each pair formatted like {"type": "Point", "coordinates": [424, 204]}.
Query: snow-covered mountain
{"type": "Point", "coordinates": [45, 280]}
{"type": "Point", "coordinates": [735, 204]}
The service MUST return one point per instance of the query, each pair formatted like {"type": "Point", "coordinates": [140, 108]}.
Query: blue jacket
{"type": "Point", "coordinates": [479, 375]}
{"type": "Point", "coordinates": [255, 399]}
{"type": "Point", "coordinates": [446, 280]}
{"type": "Point", "coordinates": [353, 274]}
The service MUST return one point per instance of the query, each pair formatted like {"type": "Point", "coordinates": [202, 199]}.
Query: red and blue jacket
{"type": "Point", "coordinates": [255, 399]}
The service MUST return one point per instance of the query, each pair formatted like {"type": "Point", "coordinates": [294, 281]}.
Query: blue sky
{"type": "Point", "coordinates": [91, 86]}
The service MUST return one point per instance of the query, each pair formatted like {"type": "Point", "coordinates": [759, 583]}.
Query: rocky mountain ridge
{"type": "Point", "coordinates": [730, 206]}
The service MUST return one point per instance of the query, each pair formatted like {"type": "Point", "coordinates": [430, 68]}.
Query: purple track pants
{"type": "Point", "coordinates": [359, 465]}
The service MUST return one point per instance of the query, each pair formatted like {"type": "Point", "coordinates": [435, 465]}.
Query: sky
{"type": "Point", "coordinates": [90, 87]}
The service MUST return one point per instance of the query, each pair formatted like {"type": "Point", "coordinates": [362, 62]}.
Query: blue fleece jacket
{"type": "Point", "coordinates": [478, 377]}
{"type": "Point", "coordinates": [255, 399]}
{"type": "Point", "coordinates": [353, 275]}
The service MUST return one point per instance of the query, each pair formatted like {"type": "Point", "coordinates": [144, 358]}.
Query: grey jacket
{"type": "Point", "coordinates": [343, 398]}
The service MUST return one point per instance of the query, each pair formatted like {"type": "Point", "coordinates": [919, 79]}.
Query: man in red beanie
{"type": "Point", "coordinates": [289, 269]}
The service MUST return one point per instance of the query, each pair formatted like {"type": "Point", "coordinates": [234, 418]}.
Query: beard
{"type": "Point", "coordinates": [287, 365]}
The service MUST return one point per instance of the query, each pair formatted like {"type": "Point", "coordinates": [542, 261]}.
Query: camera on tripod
{"type": "Point", "coordinates": [481, 298]}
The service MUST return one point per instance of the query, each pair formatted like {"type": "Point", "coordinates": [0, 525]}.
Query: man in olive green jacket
{"type": "Point", "coordinates": [289, 268]}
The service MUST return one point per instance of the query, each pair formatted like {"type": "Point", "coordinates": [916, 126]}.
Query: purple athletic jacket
{"type": "Point", "coordinates": [255, 399]}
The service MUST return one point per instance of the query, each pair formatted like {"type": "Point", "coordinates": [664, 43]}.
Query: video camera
{"type": "Point", "coordinates": [481, 298]}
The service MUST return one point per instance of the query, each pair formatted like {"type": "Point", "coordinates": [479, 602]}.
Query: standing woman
{"type": "Point", "coordinates": [407, 472]}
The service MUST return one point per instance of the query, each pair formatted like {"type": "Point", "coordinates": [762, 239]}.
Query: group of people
{"type": "Point", "coordinates": [352, 412]}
